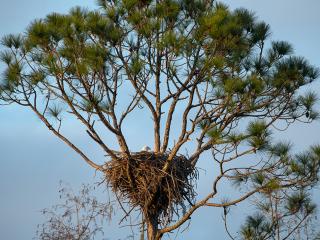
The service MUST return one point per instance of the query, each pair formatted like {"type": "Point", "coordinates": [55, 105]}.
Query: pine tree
{"type": "Point", "coordinates": [213, 69]}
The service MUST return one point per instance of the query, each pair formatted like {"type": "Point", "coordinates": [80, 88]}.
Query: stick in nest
{"type": "Point", "coordinates": [140, 179]}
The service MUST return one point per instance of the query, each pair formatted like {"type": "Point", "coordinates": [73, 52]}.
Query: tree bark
{"type": "Point", "coordinates": [157, 142]}
{"type": "Point", "coordinates": [152, 229]}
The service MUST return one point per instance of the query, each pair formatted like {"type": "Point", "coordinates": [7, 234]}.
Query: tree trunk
{"type": "Point", "coordinates": [152, 229]}
{"type": "Point", "coordinates": [157, 142]}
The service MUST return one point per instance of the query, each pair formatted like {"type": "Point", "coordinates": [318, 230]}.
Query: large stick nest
{"type": "Point", "coordinates": [140, 181]}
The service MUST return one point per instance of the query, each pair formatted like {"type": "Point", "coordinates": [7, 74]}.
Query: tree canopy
{"type": "Point", "coordinates": [210, 79]}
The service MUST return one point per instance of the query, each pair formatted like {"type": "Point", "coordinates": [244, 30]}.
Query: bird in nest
{"type": "Point", "coordinates": [146, 149]}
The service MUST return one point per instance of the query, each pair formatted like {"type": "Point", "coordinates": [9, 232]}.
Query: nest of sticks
{"type": "Point", "coordinates": [141, 182]}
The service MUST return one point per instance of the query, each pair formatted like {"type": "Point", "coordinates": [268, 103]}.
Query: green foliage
{"type": "Point", "coordinates": [257, 227]}
{"type": "Point", "coordinates": [55, 111]}
{"type": "Point", "coordinates": [89, 105]}
{"type": "Point", "coordinates": [278, 215]}
{"type": "Point", "coordinates": [239, 179]}
{"type": "Point", "coordinates": [245, 18]}
{"type": "Point", "coordinates": [307, 164]}
{"type": "Point", "coordinates": [255, 84]}
{"type": "Point", "coordinates": [272, 185]}
{"type": "Point", "coordinates": [300, 202]}
{"type": "Point", "coordinates": [218, 24]}
{"type": "Point", "coordinates": [261, 31]}
{"type": "Point", "coordinates": [280, 149]}
{"type": "Point", "coordinates": [308, 100]}
{"type": "Point", "coordinates": [168, 9]}
{"type": "Point", "coordinates": [12, 41]}
{"type": "Point", "coordinates": [136, 66]}
{"type": "Point", "coordinates": [94, 57]}
{"type": "Point", "coordinates": [105, 106]}
{"type": "Point", "coordinates": [193, 9]}
{"type": "Point", "coordinates": [6, 57]}
{"type": "Point", "coordinates": [292, 73]}
{"type": "Point", "coordinates": [37, 76]}
{"type": "Point", "coordinates": [234, 85]}
{"type": "Point", "coordinates": [102, 3]}
{"type": "Point", "coordinates": [129, 4]}
{"type": "Point", "coordinates": [214, 133]}
{"type": "Point", "coordinates": [135, 17]}
{"type": "Point", "coordinates": [38, 35]}
{"type": "Point", "coordinates": [282, 48]}
{"type": "Point", "coordinates": [259, 134]}
{"type": "Point", "coordinates": [235, 138]}
{"type": "Point", "coordinates": [278, 50]}
{"type": "Point", "coordinates": [12, 74]}
{"type": "Point", "coordinates": [259, 178]}
{"type": "Point", "coordinates": [172, 41]}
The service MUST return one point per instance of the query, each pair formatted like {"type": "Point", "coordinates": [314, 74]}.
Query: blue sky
{"type": "Point", "coordinates": [33, 161]}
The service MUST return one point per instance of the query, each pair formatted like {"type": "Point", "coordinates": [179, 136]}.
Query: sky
{"type": "Point", "coordinates": [33, 161]}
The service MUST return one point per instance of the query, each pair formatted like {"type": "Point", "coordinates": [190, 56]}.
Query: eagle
{"type": "Point", "coordinates": [146, 149]}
